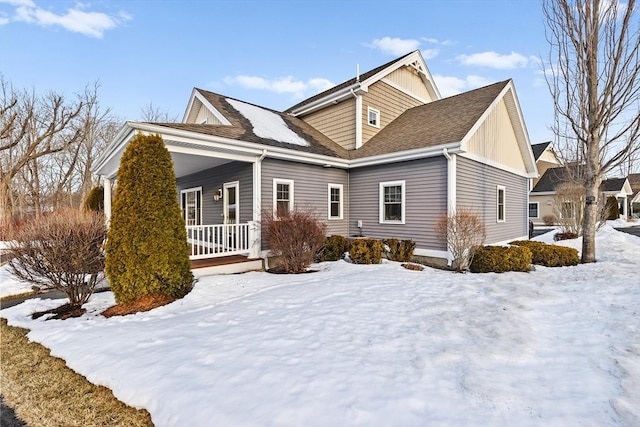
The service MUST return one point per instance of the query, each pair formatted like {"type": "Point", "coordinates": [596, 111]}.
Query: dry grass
{"type": "Point", "coordinates": [45, 392]}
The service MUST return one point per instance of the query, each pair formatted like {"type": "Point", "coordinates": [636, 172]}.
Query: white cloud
{"type": "Point", "coordinates": [92, 24]}
{"type": "Point", "coordinates": [450, 85]}
{"type": "Point", "coordinates": [3, 19]}
{"type": "Point", "coordinates": [395, 46]}
{"type": "Point", "coordinates": [495, 60]}
{"type": "Point", "coordinates": [430, 53]}
{"type": "Point", "coordinates": [286, 84]}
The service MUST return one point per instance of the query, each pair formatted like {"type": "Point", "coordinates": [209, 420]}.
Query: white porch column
{"type": "Point", "coordinates": [107, 200]}
{"type": "Point", "coordinates": [255, 229]}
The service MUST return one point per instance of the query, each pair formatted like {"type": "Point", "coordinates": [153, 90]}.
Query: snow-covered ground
{"type": "Point", "coordinates": [375, 346]}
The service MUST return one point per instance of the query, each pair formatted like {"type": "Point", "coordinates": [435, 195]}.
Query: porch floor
{"type": "Point", "coordinates": [224, 265]}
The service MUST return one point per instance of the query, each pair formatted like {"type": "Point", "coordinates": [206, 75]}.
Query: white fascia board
{"type": "Point", "coordinates": [405, 91]}
{"type": "Point", "coordinates": [244, 147]}
{"type": "Point", "coordinates": [338, 96]}
{"type": "Point", "coordinates": [400, 156]}
{"type": "Point", "coordinates": [542, 193]}
{"type": "Point", "coordinates": [523, 140]}
{"type": "Point", "coordinates": [122, 137]}
{"type": "Point", "coordinates": [195, 94]}
{"type": "Point", "coordinates": [500, 166]}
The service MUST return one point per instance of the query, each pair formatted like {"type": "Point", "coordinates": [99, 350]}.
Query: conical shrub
{"type": "Point", "coordinates": [95, 200]}
{"type": "Point", "coordinates": [146, 249]}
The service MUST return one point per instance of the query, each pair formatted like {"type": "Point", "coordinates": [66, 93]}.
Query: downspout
{"type": "Point", "coordinates": [451, 190]}
{"type": "Point", "coordinates": [358, 118]}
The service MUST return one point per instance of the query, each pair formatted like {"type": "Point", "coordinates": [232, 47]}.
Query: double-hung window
{"type": "Point", "coordinates": [392, 202]}
{"type": "Point", "coordinates": [500, 206]}
{"type": "Point", "coordinates": [533, 210]}
{"type": "Point", "coordinates": [191, 203]}
{"type": "Point", "coordinates": [282, 197]}
{"type": "Point", "coordinates": [373, 117]}
{"type": "Point", "coordinates": [567, 210]}
{"type": "Point", "coordinates": [335, 201]}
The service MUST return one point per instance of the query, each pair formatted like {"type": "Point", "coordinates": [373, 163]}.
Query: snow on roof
{"type": "Point", "coordinates": [267, 124]}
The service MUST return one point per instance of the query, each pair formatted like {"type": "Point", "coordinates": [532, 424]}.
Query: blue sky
{"type": "Point", "coordinates": [271, 53]}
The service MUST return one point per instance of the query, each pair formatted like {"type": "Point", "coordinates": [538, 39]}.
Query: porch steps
{"type": "Point", "coordinates": [232, 264]}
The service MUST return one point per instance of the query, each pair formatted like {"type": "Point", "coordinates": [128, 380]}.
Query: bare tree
{"type": "Point", "coordinates": [150, 113]}
{"type": "Point", "coordinates": [594, 81]}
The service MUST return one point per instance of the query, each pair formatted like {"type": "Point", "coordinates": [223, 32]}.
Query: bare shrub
{"type": "Point", "coordinates": [463, 232]}
{"type": "Point", "coordinates": [568, 205]}
{"type": "Point", "coordinates": [295, 237]}
{"type": "Point", "coordinates": [62, 251]}
{"type": "Point", "coordinates": [549, 220]}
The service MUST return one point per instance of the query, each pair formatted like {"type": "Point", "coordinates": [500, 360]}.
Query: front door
{"type": "Point", "coordinates": [231, 212]}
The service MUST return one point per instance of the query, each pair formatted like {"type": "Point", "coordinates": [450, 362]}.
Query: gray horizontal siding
{"type": "Point", "coordinates": [426, 200]}
{"type": "Point", "coordinates": [212, 179]}
{"type": "Point", "coordinates": [477, 190]}
{"type": "Point", "coordinates": [310, 189]}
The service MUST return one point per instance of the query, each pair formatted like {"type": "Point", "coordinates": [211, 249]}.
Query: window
{"type": "Point", "coordinates": [567, 210]}
{"type": "Point", "coordinates": [282, 197]}
{"type": "Point", "coordinates": [335, 201]}
{"type": "Point", "coordinates": [533, 210]}
{"type": "Point", "coordinates": [500, 204]}
{"type": "Point", "coordinates": [392, 202]}
{"type": "Point", "coordinates": [191, 203]}
{"type": "Point", "coordinates": [373, 117]}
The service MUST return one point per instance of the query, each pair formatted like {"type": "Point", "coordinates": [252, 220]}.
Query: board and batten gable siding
{"type": "Point", "coordinates": [205, 116]}
{"type": "Point", "coordinates": [477, 191]}
{"type": "Point", "coordinates": [212, 179]}
{"type": "Point", "coordinates": [426, 199]}
{"type": "Point", "coordinates": [496, 140]}
{"type": "Point", "coordinates": [407, 77]}
{"type": "Point", "coordinates": [389, 101]}
{"type": "Point", "coordinates": [337, 122]}
{"type": "Point", "coordinates": [310, 189]}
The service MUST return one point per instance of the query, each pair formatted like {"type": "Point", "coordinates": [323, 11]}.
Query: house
{"type": "Point", "coordinates": [380, 155]}
{"type": "Point", "coordinates": [546, 209]}
{"type": "Point", "coordinates": [634, 200]}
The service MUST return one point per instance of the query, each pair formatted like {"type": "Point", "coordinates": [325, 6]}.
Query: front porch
{"type": "Point", "coordinates": [222, 240]}
{"type": "Point", "coordinates": [230, 264]}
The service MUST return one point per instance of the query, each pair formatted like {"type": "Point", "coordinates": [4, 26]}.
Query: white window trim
{"type": "Point", "coordinates": [191, 190]}
{"type": "Point", "coordinates": [381, 201]}
{"type": "Point", "coordinates": [340, 211]}
{"type": "Point", "coordinates": [377, 113]}
{"type": "Point", "coordinates": [277, 181]}
{"type": "Point", "coordinates": [537, 209]}
{"type": "Point", "coordinates": [504, 204]}
{"type": "Point", "coordinates": [573, 210]}
{"type": "Point", "coordinates": [225, 200]}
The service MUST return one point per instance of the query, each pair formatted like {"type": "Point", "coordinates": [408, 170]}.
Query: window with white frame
{"type": "Point", "coordinates": [191, 204]}
{"type": "Point", "coordinates": [373, 117]}
{"type": "Point", "coordinates": [534, 211]}
{"type": "Point", "coordinates": [392, 202]}
{"type": "Point", "coordinates": [335, 201]}
{"type": "Point", "coordinates": [567, 210]}
{"type": "Point", "coordinates": [282, 197]}
{"type": "Point", "coordinates": [500, 205]}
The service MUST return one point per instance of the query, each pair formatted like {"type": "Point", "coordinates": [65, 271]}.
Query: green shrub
{"type": "Point", "coordinates": [366, 251]}
{"type": "Point", "coordinates": [146, 249]}
{"type": "Point", "coordinates": [612, 210]}
{"type": "Point", "coordinates": [95, 200]}
{"type": "Point", "coordinates": [400, 250]}
{"type": "Point", "coordinates": [549, 255]}
{"type": "Point", "coordinates": [499, 259]}
{"type": "Point", "coordinates": [334, 248]}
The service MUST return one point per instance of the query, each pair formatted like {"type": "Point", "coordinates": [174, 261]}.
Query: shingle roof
{"type": "Point", "coordinates": [554, 177]}
{"type": "Point", "coordinates": [346, 84]}
{"type": "Point", "coordinates": [241, 129]}
{"type": "Point", "coordinates": [440, 122]}
{"type": "Point", "coordinates": [634, 181]}
{"type": "Point", "coordinates": [538, 149]}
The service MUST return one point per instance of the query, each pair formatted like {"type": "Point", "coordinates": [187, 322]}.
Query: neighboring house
{"type": "Point", "coordinates": [543, 203]}
{"type": "Point", "coordinates": [381, 155]}
{"type": "Point", "coordinates": [634, 200]}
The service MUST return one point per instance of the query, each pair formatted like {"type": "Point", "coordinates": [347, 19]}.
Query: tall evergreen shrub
{"type": "Point", "coordinates": [146, 249]}
{"type": "Point", "coordinates": [612, 209]}
{"type": "Point", "coordinates": [95, 199]}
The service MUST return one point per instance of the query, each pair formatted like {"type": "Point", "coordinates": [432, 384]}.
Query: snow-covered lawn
{"type": "Point", "coordinates": [375, 346]}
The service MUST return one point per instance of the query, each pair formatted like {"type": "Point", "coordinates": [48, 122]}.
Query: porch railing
{"type": "Point", "coordinates": [211, 241]}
